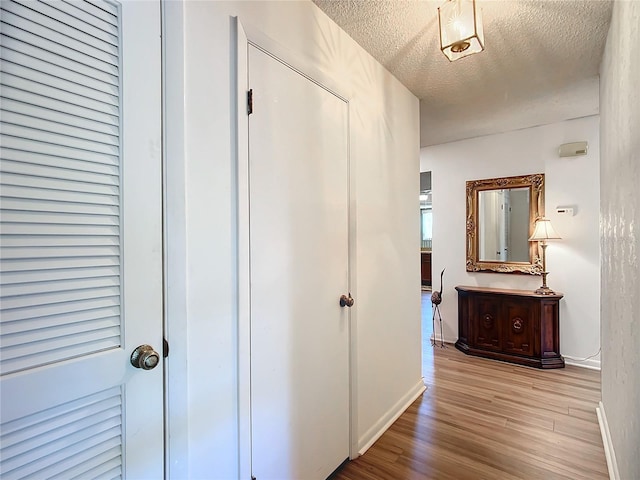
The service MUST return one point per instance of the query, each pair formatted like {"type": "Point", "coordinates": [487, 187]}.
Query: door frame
{"type": "Point", "coordinates": [245, 35]}
{"type": "Point", "coordinates": [176, 378]}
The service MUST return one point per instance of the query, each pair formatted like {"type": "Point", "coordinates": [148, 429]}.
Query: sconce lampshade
{"type": "Point", "coordinates": [544, 231]}
{"type": "Point", "coordinates": [460, 29]}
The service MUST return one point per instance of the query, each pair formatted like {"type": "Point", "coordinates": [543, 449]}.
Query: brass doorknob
{"type": "Point", "coordinates": [346, 301]}
{"type": "Point", "coordinates": [145, 357]}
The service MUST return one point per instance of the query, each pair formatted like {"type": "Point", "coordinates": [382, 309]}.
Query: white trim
{"type": "Point", "coordinates": [446, 340]}
{"type": "Point", "coordinates": [590, 364]}
{"type": "Point", "coordinates": [353, 290]}
{"type": "Point", "coordinates": [242, 253]}
{"type": "Point", "coordinates": [295, 61]}
{"type": "Point", "coordinates": [383, 424]}
{"type": "Point", "coordinates": [609, 453]}
{"type": "Point", "coordinates": [174, 239]}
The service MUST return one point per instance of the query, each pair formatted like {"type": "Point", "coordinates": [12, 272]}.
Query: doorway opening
{"type": "Point", "coordinates": [426, 227]}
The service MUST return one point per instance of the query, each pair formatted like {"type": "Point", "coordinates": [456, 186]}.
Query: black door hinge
{"type": "Point", "coordinates": [165, 348]}
{"type": "Point", "coordinates": [250, 101]}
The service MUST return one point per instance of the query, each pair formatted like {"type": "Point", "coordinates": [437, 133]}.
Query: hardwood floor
{"type": "Point", "coordinates": [483, 419]}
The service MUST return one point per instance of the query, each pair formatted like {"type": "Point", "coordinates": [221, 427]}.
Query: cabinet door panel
{"type": "Point", "coordinates": [518, 328]}
{"type": "Point", "coordinates": [486, 334]}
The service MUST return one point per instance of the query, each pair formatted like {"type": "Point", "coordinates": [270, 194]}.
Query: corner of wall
{"type": "Point", "coordinates": [385, 421]}
{"type": "Point", "coordinates": [608, 444]}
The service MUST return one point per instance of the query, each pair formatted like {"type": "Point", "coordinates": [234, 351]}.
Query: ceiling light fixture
{"type": "Point", "coordinates": [461, 32]}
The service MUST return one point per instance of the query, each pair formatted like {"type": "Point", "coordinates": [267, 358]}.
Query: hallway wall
{"type": "Point", "coordinates": [202, 302]}
{"type": "Point", "coordinates": [620, 235]}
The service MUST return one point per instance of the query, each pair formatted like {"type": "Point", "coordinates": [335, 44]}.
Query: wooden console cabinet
{"type": "Point", "coordinates": [425, 260]}
{"type": "Point", "coordinates": [515, 326]}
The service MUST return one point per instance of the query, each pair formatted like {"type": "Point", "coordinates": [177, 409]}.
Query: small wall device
{"type": "Point", "coordinates": [565, 211]}
{"type": "Point", "coordinates": [573, 149]}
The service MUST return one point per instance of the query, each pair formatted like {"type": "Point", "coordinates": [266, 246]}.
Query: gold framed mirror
{"type": "Point", "coordinates": [501, 214]}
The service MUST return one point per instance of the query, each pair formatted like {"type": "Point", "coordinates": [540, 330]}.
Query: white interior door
{"type": "Point", "coordinates": [298, 164]}
{"type": "Point", "coordinates": [81, 271]}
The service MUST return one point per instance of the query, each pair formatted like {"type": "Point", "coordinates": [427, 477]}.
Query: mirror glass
{"type": "Point", "coordinates": [501, 214]}
{"type": "Point", "coordinates": [503, 225]}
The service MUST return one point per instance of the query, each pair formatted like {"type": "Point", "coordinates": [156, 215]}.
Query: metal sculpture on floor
{"type": "Point", "coordinates": [436, 300]}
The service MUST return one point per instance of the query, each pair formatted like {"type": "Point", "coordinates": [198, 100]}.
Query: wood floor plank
{"type": "Point", "coordinates": [483, 419]}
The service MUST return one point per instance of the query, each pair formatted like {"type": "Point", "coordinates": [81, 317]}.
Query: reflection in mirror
{"type": "Point", "coordinates": [501, 213]}
{"type": "Point", "coordinates": [503, 225]}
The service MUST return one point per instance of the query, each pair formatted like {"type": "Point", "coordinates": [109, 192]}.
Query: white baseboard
{"type": "Point", "coordinates": [608, 445]}
{"type": "Point", "coordinates": [381, 426]}
{"type": "Point", "coordinates": [446, 340]}
{"type": "Point", "coordinates": [591, 363]}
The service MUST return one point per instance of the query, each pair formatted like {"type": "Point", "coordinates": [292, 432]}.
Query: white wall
{"type": "Point", "coordinates": [573, 262]}
{"type": "Point", "coordinates": [202, 294]}
{"type": "Point", "coordinates": [620, 227]}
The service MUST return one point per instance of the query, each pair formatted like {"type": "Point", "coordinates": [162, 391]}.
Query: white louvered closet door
{"type": "Point", "coordinates": [80, 233]}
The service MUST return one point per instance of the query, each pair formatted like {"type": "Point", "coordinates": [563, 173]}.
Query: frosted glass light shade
{"type": "Point", "coordinates": [460, 29]}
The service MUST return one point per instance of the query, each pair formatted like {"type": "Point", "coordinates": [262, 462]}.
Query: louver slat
{"type": "Point", "coordinates": [85, 316]}
{"type": "Point", "coordinates": [101, 78]}
{"type": "Point", "coordinates": [46, 91]}
{"type": "Point", "coordinates": [18, 315]}
{"type": "Point", "coordinates": [57, 139]}
{"type": "Point", "coordinates": [21, 276]}
{"type": "Point", "coordinates": [60, 196]}
{"type": "Point", "coordinates": [28, 229]}
{"type": "Point", "coordinates": [58, 218]}
{"type": "Point", "coordinates": [64, 252]}
{"type": "Point", "coordinates": [87, 17]}
{"type": "Point", "coordinates": [108, 7]}
{"type": "Point", "coordinates": [59, 162]}
{"type": "Point", "coordinates": [76, 341]}
{"type": "Point", "coordinates": [81, 347]}
{"type": "Point", "coordinates": [59, 21]}
{"type": "Point", "coordinates": [49, 126]}
{"type": "Point", "coordinates": [22, 72]}
{"type": "Point", "coordinates": [52, 298]}
{"type": "Point", "coordinates": [58, 240]}
{"type": "Point", "coordinates": [57, 172]}
{"type": "Point", "coordinates": [109, 470]}
{"type": "Point", "coordinates": [61, 331]}
{"type": "Point", "coordinates": [54, 42]}
{"type": "Point", "coordinates": [66, 441]}
{"type": "Point", "coordinates": [51, 46]}
{"type": "Point", "coordinates": [49, 103]}
{"type": "Point", "coordinates": [23, 179]}
{"type": "Point", "coordinates": [27, 145]}
{"type": "Point", "coordinates": [97, 11]}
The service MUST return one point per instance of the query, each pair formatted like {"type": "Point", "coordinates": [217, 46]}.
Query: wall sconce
{"type": "Point", "coordinates": [543, 232]}
{"type": "Point", "coordinates": [460, 29]}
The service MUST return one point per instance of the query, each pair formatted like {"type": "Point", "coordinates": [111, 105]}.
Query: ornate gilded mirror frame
{"type": "Point", "coordinates": [535, 184]}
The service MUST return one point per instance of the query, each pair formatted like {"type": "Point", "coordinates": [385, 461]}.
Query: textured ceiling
{"type": "Point", "coordinates": [540, 63]}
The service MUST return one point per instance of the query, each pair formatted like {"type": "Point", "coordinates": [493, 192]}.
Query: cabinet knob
{"type": "Point", "coordinates": [346, 301]}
